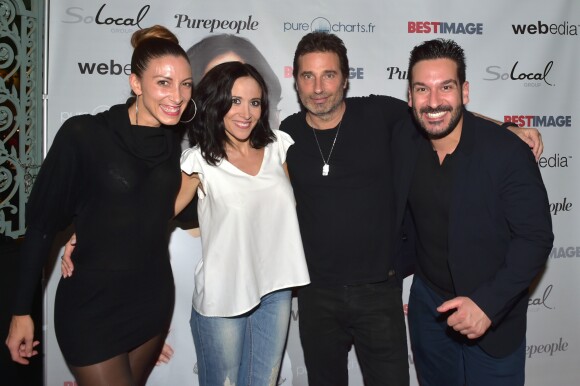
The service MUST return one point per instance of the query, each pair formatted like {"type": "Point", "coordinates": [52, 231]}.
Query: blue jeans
{"type": "Point", "coordinates": [445, 357]}
{"type": "Point", "coordinates": [368, 316]}
{"type": "Point", "coordinates": [243, 350]}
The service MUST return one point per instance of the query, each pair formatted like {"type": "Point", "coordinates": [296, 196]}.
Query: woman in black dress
{"type": "Point", "coordinates": [115, 176]}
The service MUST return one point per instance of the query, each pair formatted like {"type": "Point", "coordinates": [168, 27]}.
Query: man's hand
{"type": "Point", "coordinates": [468, 319]}
{"type": "Point", "coordinates": [532, 137]}
{"type": "Point", "coordinates": [66, 265]}
{"type": "Point", "coordinates": [20, 339]}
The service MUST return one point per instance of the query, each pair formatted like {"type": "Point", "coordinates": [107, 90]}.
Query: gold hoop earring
{"type": "Point", "coordinates": [136, 110]}
{"type": "Point", "coordinates": [194, 112]}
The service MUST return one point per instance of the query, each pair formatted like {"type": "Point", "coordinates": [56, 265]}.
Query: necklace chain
{"type": "Point", "coordinates": [326, 166]}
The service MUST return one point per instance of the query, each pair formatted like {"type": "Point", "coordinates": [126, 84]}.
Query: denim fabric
{"type": "Point", "coordinates": [243, 350]}
{"type": "Point", "coordinates": [444, 357]}
{"type": "Point", "coordinates": [370, 316]}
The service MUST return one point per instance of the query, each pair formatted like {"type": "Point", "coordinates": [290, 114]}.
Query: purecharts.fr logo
{"type": "Point", "coordinates": [322, 24]}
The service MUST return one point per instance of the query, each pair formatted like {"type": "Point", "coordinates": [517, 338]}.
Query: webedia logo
{"type": "Point", "coordinates": [541, 28]}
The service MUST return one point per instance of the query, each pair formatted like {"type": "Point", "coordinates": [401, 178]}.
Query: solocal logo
{"type": "Point", "coordinates": [540, 120]}
{"type": "Point", "coordinates": [547, 348]}
{"type": "Point", "coordinates": [530, 77]}
{"type": "Point", "coordinates": [441, 27]}
{"type": "Point", "coordinates": [541, 28]}
{"type": "Point", "coordinates": [322, 24]}
{"type": "Point", "coordinates": [76, 15]}
{"type": "Point", "coordinates": [541, 301]}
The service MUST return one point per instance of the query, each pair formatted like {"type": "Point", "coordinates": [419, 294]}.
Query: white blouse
{"type": "Point", "coordinates": [250, 237]}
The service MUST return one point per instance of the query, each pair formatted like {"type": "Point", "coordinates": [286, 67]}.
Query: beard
{"type": "Point", "coordinates": [324, 110]}
{"type": "Point", "coordinates": [456, 115]}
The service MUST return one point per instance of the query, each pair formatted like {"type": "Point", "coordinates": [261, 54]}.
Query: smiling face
{"type": "Point", "coordinates": [163, 90]}
{"type": "Point", "coordinates": [320, 83]}
{"type": "Point", "coordinates": [436, 96]}
{"type": "Point", "coordinates": [246, 109]}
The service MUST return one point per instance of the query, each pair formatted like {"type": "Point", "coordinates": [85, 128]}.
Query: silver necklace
{"type": "Point", "coordinates": [326, 166]}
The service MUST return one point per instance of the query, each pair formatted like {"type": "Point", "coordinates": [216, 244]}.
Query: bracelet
{"type": "Point", "coordinates": [505, 125]}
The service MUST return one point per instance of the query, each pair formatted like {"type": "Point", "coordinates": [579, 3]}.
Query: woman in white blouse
{"type": "Point", "coordinates": [252, 253]}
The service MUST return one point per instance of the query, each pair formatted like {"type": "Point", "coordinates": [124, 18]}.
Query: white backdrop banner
{"type": "Point", "coordinates": [522, 59]}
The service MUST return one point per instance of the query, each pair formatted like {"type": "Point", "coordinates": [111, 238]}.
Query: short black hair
{"type": "Point", "coordinates": [321, 42]}
{"type": "Point", "coordinates": [438, 49]}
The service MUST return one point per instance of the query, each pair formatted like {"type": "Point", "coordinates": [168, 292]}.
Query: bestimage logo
{"type": "Point", "coordinates": [540, 120]}
{"type": "Point", "coordinates": [564, 253]}
{"type": "Point", "coordinates": [353, 72]}
{"type": "Point", "coordinates": [75, 15]}
{"type": "Point", "coordinates": [445, 28]}
{"type": "Point", "coordinates": [530, 77]}
{"type": "Point", "coordinates": [322, 24]}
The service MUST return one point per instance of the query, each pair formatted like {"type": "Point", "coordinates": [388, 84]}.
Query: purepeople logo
{"type": "Point", "coordinates": [444, 28]}
{"type": "Point", "coordinates": [561, 206]}
{"type": "Point", "coordinates": [567, 253]}
{"type": "Point", "coordinates": [547, 348]}
{"type": "Point", "coordinates": [211, 25]}
{"type": "Point", "coordinates": [532, 77]}
{"type": "Point", "coordinates": [74, 15]}
{"type": "Point", "coordinates": [322, 24]}
{"type": "Point", "coordinates": [541, 28]}
{"type": "Point", "coordinates": [540, 120]}
{"type": "Point", "coordinates": [396, 73]}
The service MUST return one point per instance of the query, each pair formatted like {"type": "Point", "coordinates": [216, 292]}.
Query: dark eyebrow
{"type": "Point", "coordinates": [170, 78]}
{"type": "Point", "coordinates": [445, 82]}
{"type": "Point", "coordinates": [450, 81]}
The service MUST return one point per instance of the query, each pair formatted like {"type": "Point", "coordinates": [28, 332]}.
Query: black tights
{"type": "Point", "coordinates": [127, 369]}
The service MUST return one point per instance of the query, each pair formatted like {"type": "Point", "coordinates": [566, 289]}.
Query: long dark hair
{"type": "Point", "coordinates": [213, 96]}
{"type": "Point", "coordinates": [212, 46]}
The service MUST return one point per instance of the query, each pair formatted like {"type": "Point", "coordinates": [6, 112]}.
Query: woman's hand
{"type": "Point", "coordinates": [66, 264]}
